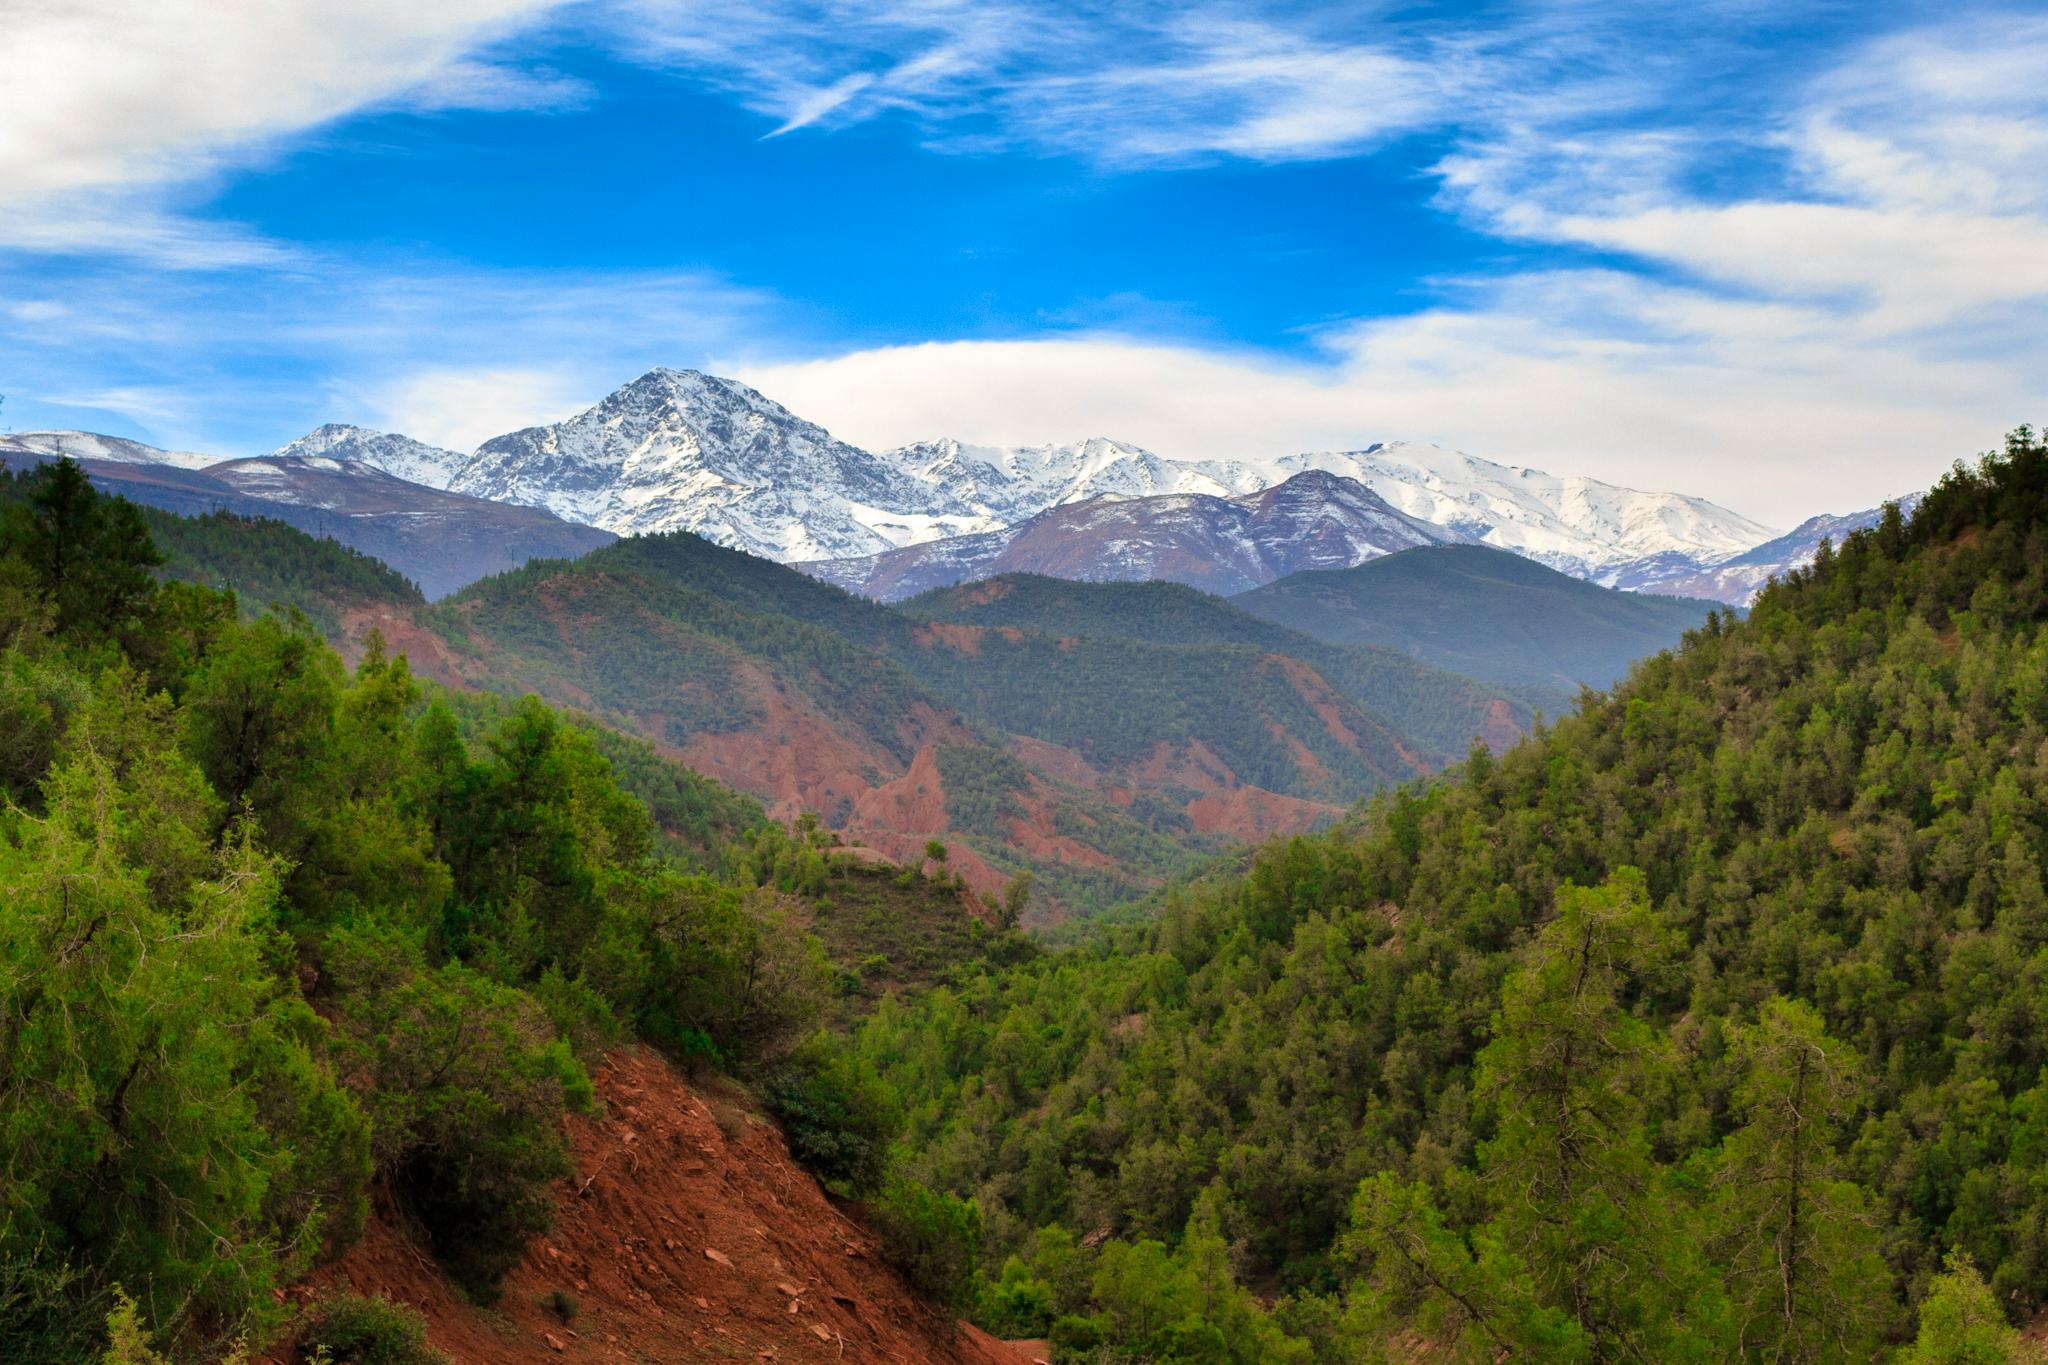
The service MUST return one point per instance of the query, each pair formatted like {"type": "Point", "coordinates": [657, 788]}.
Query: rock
{"type": "Point", "coordinates": [718, 1256]}
{"type": "Point", "coordinates": [554, 1342]}
{"type": "Point", "coordinates": [821, 1331]}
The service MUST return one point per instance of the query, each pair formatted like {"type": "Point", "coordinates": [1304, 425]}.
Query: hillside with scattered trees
{"type": "Point", "coordinates": [1706, 1025]}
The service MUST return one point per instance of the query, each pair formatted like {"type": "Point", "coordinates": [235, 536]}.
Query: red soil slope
{"type": "Point", "coordinates": [687, 1234]}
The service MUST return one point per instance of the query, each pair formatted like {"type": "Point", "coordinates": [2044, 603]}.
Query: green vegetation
{"type": "Point", "coordinates": [1485, 613]}
{"type": "Point", "coordinates": [671, 637]}
{"type": "Point", "coordinates": [364, 1331]}
{"type": "Point", "coordinates": [1438, 713]}
{"type": "Point", "coordinates": [267, 563]}
{"type": "Point", "coordinates": [1706, 1025]}
{"type": "Point", "coordinates": [272, 929]}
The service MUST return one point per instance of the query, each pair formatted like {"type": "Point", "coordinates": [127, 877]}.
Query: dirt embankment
{"type": "Point", "coordinates": [687, 1234]}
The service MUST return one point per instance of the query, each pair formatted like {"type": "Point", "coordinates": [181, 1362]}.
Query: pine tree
{"type": "Point", "coordinates": [1802, 1249]}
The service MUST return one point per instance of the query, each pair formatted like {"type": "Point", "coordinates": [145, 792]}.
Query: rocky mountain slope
{"type": "Point", "coordinates": [1482, 612]}
{"type": "Point", "coordinates": [686, 1234]}
{"type": "Point", "coordinates": [1314, 520]}
{"type": "Point", "coordinates": [679, 450]}
{"type": "Point", "coordinates": [400, 456]}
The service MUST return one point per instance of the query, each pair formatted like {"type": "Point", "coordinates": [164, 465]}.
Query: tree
{"type": "Point", "coordinates": [1016, 895]}
{"type": "Point", "coordinates": [1801, 1249]}
{"type": "Point", "coordinates": [1960, 1323]}
{"type": "Point", "coordinates": [91, 554]}
{"type": "Point", "coordinates": [1568, 1169]}
{"type": "Point", "coordinates": [164, 1122]}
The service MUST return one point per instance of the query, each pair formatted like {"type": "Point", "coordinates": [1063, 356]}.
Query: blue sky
{"type": "Point", "coordinates": [1790, 257]}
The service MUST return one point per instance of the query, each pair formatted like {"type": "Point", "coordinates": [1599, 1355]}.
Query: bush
{"type": "Point", "coordinates": [1017, 1305]}
{"type": "Point", "coordinates": [932, 1237]}
{"type": "Point", "coordinates": [1076, 1333]}
{"type": "Point", "coordinates": [353, 1330]}
{"type": "Point", "coordinates": [468, 1089]}
{"type": "Point", "coordinates": [838, 1117]}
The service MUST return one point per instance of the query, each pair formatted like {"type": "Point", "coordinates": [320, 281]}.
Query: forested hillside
{"type": "Point", "coordinates": [1100, 762]}
{"type": "Point", "coordinates": [1485, 613]}
{"type": "Point", "coordinates": [267, 563]}
{"type": "Point", "coordinates": [276, 934]}
{"type": "Point", "coordinates": [1710, 1024]}
{"type": "Point", "coordinates": [1439, 711]}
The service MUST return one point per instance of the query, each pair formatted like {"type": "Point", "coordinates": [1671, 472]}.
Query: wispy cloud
{"type": "Point", "coordinates": [242, 363]}
{"type": "Point", "coordinates": [1831, 324]}
{"type": "Point", "coordinates": [1121, 85]}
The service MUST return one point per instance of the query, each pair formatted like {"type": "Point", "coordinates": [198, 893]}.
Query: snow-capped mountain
{"type": "Point", "coordinates": [87, 445]}
{"type": "Point", "coordinates": [1314, 520]}
{"type": "Point", "coordinates": [413, 461]}
{"type": "Point", "coordinates": [679, 450]}
{"type": "Point", "coordinates": [1738, 578]}
{"type": "Point", "coordinates": [1580, 525]}
{"type": "Point", "coordinates": [1011, 483]}
{"type": "Point", "coordinates": [682, 450]}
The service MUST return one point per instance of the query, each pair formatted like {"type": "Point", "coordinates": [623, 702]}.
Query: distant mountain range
{"type": "Point", "coordinates": [1101, 735]}
{"type": "Point", "coordinates": [681, 450]}
{"type": "Point", "coordinates": [439, 540]}
{"type": "Point", "coordinates": [1482, 612]}
{"type": "Point", "coordinates": [1314, 520]}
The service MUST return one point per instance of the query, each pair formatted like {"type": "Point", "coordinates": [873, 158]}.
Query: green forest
{"type": "Point", "coordinates": [274, 932]}
{"type": "Point", "coordinates": [1707, 1024]}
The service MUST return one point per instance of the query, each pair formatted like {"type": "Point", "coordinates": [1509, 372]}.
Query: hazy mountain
{"type": "Point", "coordinates": [1739, 578]}
{"type": "Point", "coordinates": [1481, 612]}
{"type": "Point", "coordinates": [1439, 712]}
{"type": "Point", "coordinates": [440, 540]}
{"type": "Point", "coordinates": [87, 445]}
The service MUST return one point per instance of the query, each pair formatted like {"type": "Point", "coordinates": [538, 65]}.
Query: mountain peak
{"type": "Point", "coordinates": [684, 450]}
{"type": "Point", "coordinates": [399, 456]}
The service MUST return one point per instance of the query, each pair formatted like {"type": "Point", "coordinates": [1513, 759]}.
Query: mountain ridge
{"type": "Point", "coordinates": [1217, 544]}
{"type": "Point", "coordinates": [685, 450]}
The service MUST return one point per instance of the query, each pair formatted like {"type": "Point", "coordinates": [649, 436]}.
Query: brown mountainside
{"type": "Point", "coordinates": [687, 1234]}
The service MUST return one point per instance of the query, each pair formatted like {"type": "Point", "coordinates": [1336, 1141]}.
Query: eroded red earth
{"type": "Point", "coordinates": [687, 1234]}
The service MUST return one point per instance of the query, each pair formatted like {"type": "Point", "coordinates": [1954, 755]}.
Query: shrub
{"type": "Point", "coordinates": [352, 1330]}
{"type": "Point", "coordinates": [932, 1237]}
{"type": "Point", "coordinates": [468, 1089]}
{"type": "Point", "coordinates": [1076, 1333]}
{"type": "Point", "coordinates": [1017, 1305]}
{"type": "Point", "coordinates": [838, 1117]}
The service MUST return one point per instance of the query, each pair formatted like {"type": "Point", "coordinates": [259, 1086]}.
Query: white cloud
{"type": "Point", "coordinates": [460, 409]}
{"type": "Point", "coordinates": [242, 362]}
{"type": "Point", "coordinates": [1912, 195]}
{"type": "Point", "coordinates": [1117, 84]}
{"type": "Point", "coordinates": [1766, 408]}
{"type": "Point", "coordinates": [107, 100]}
